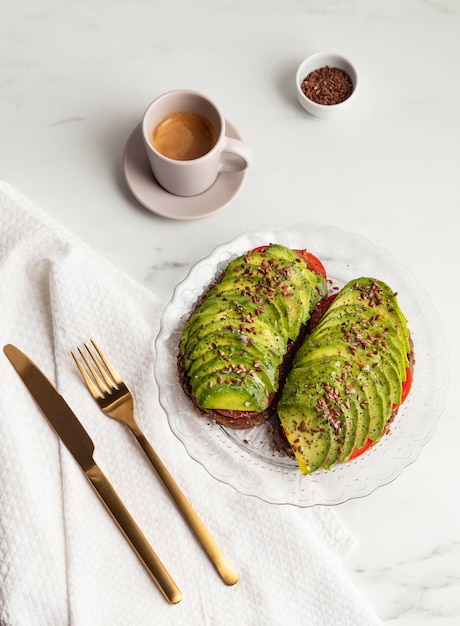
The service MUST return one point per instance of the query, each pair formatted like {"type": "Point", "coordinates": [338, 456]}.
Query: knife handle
{"type": "Point", "coordinates": [214, 552]}
{"type": "Point", "coordinates": [133, 534]}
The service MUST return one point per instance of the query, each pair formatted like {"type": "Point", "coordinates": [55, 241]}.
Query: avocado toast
{"type": "Point", "coordinates": [266, 341]}
{"type": "Point", "coordinates": [347, 378]}
{"type": "Point", "coordinates": [234, 346]}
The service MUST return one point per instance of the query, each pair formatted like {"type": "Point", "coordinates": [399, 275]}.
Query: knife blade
{"type": "Point", "coordinates": [72, 433]}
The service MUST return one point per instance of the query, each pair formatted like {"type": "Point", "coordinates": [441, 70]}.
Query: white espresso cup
{"type": "Point", "coordinates": [184, 136]}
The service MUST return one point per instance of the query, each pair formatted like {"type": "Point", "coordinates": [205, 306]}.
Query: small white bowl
{"type": "Point", "coordinates": [315, 62]}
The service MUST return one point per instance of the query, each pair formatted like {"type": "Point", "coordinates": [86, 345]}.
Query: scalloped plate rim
{"type": "Point", "coordinates": [320, 491]}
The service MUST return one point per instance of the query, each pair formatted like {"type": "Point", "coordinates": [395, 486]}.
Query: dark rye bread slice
{"type": "Point", "coordinates": [254, 419]}
{"type": "Point", "coordinates": [279, 273]}
{"type": "Point", "coordinates": [347, 378]}
{"type": "Point", "coordinates": [248, 419]}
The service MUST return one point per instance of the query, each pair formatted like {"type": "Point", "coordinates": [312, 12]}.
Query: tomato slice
{"type": "Point", "coordinates": [359, 451]}
{"type": "Point", "coordinates": [313, 263]}
{"type": "Point", "coordinates": [407, 384]}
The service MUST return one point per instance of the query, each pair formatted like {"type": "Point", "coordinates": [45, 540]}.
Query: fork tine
{"type": "Point", "coordinates": [95, 392]}
{"type": "Point", "coordinates": [113, 373]}
{"type": "Point", "coordinates": [109, 385]}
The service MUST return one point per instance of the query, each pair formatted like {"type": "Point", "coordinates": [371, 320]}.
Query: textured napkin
{"type": "Point", "coordinates": [62, 558]}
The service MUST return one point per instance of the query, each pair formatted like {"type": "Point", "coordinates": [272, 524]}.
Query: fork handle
{"type": "Point", "coordinates": [133, 534]}
{"type": "Point", "coordinates": [217, 557]}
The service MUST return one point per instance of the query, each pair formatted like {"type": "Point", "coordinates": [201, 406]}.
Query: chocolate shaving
{"type": "Point", "coordinates": [327, 85]}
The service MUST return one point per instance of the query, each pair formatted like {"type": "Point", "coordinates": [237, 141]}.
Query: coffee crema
{"type": "Point", "coordinates": [184, 135]}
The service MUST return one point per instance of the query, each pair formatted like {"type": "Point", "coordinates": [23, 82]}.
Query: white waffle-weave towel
{"type": "Point", "coordinates": [63, 561]}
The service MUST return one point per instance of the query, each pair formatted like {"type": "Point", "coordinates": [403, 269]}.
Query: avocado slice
{"type": "Point", "coordinates": [342, 402]}
{"type": "Point", "coordinates": [326, 392]}
{"type": "Point", "coordinates": [283, 286]}
{"type": "Point", "coordinates": [308, 434]}
{"type": "Point", "coordinates": [214, 394]}
{"type": "Point", "coordinates": [366, 351]}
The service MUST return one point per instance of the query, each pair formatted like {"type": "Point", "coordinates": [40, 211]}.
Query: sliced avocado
{"type": "Point", "coordinates": [249, 316]}
{"type": "Point", "coordinates": [224, 341]}
{"type": "Point", "coordinates": [303, 277]}
{"type": "Point", "coordinates": [257, 333]}
{"type": "Point", "coordinates": [283, 286]}
{"type": "Point", "coordinates": [206, 350]}
{"type": "Point", "coordinates": [228, 362]}
{"type": "Point", "coordinates": [357, 354]}
{"type": "Point", "coordinates": [282, 310]}
{"type": "Point", "coordinates": [376, 296]}
{"type": "Point", "coordinates": [354, 383]}
{"type": "Point", "coordinates": [378, 330]}
{"type": "Point", "coordinates": [256, 294]}
{"type": "Point", "coordinates": [258, 307]}
{"type": "Point", "coordinates": [321, 383]}
{"type": "Point", "coordinates": [380, 375]}
{"type": "Point", "coordinates": [365, 350]}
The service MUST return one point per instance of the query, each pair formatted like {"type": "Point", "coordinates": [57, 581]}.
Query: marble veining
{"type": "Point", "coordinates": [416, 596]}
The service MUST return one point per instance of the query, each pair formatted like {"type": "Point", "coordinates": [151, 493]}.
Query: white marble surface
{"type": "Point", "coordinates": [74, 81]}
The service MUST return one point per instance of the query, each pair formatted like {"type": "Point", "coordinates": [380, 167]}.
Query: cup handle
{"type": "Point", "coordinates": [236, 156]}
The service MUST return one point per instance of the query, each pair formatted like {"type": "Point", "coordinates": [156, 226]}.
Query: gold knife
{"type": "Point", "coordinates": [80, 445]}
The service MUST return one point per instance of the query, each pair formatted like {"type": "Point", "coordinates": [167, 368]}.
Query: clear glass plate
{"type": "Point", "coordinates": [247, 459]}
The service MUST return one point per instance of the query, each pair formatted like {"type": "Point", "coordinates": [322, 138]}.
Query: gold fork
{"type": "Point", "coordinates": [116, 401]}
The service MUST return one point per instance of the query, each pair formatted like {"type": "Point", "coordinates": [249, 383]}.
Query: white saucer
{"type": "Point", "coordinates": [152, 196]}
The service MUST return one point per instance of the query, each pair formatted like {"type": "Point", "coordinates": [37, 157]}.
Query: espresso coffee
{"type": "Point", "coordinates": [183, 136]}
